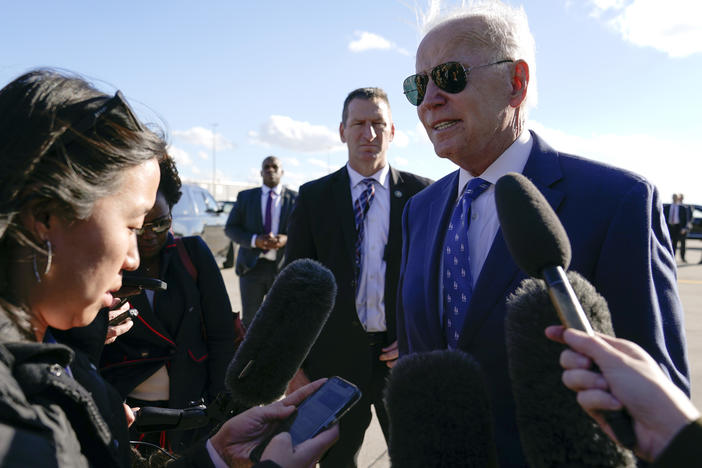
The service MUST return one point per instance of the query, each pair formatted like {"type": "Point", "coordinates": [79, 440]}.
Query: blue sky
{"type": "Point", "coordinates": [618, 79]}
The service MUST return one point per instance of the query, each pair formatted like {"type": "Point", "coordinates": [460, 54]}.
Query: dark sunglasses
{"type": "Point", "coordinates": [91, 119]}
{"type": "Point", "coordinates": [451, 77]}
{"type": "Point", "coordinates": [157, 227]}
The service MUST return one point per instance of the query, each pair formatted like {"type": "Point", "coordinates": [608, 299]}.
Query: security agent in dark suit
{"type": "Point", "coordinates": [678, 217]}
{"type": "Point", "coordinates": [358, 341]}
{"type": "Point", "coordinates": [258, 223]}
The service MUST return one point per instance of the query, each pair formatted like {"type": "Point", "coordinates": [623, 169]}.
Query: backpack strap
{"type": "Point", "coordinates": [185, 258]}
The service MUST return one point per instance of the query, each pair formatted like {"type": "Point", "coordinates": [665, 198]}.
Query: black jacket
{"type": "Point", "coordinates": [322, 228]}
{"type": "Point", "coordinates": [50, 418]}
{"type": "Point", "coordinates": [191, 331]}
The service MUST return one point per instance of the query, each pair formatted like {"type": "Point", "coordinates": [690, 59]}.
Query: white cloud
{"type": "Point", "coordinates": [181, 157]}
{"type": "Point", "coordinates": [321, 163]}
{"type": "Point", "coordinates": [658, 159]}
{"type": "Point", "coordinates": [203, 155]}
{"type": "Point", "coordinates": [400, 161]}
{"type": "Point", "coordinates": [288, 161]}
{"type": "Point", "coordinates": [401, 139]}
{"type": "Point", "coordinates": [370, 41]}
{"type": "Point", "coordinates": [283, 131]}
{"type": "Point", "coordinates": [673, 27]}
{"type": "Point", "coordinates": [201, 136]}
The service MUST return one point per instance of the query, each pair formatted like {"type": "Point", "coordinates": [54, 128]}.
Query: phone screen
{"type": "Point", "coordinates": [322, 408]}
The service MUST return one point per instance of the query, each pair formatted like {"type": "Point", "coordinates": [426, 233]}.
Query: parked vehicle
{"type": "Point", "coordinates": [198, 213]}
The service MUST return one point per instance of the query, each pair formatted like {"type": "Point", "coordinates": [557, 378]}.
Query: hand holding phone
{"type": "Point", "coordinates": [131, 313]}
{"type": "Point", "coordinates": [316, 413]}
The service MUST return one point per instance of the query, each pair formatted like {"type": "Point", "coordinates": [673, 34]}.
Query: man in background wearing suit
{"type": "Point", "coordinates": [474, 72]}
{"type": "Point", "coordinates": [258, 223]}
{"type": "Point", "coordinates": [350, 222]}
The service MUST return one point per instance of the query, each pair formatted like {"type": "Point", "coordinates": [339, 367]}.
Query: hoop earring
{"type": "Point", "coordinates": [49, 257]}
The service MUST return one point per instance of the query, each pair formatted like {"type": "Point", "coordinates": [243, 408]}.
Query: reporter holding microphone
{"type": "Point", "coordinates": [668, 427]}
{"type": "Point", "coordinates": [78, 173]}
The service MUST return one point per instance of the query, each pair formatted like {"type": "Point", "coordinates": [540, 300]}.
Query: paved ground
{"type": "Point", "coordinates": [374, 451]}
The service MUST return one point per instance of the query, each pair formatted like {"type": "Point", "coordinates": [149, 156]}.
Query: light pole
{"type": "Point", "coordinates": [214, 158]}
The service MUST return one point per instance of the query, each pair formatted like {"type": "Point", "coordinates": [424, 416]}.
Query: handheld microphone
{"type": "Point", "coordinates": [540, 246]}
{"type": "Point", "coordinates": [282, 333]}
{"type": "Point", "coordinates": [553, 428]}
{"type": "Point", "coordinates": [439, 412]}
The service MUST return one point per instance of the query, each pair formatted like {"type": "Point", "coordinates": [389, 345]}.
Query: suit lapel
{"type": "Point", "coordinates": [342, 201]}
{"type": "Point", "coordinates": [398, 198]}
{"type": "Point", "coordinates": [285, 209]}
{"type": "Point", "coordinates": [499, 271]}
{"type": "Point", "coordinates": [255, 208]}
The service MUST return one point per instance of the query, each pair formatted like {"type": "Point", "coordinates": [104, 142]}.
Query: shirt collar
{"type": "Point", "coordinates": [512, 160]}
{"type": "Point", "coordinates": [277, 189]}
{"type": "Point", "coordinates": [382, 176]}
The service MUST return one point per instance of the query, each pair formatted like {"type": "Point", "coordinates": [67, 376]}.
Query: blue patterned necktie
{"type": "Point", "coordinates": [457, 279]}
{"type": "Point", "coordinates": [360, 209]}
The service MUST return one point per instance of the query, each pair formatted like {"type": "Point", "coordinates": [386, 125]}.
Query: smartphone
{"type": "Point", "coordinates": [133, 285]}
{"type": "Point", "coordinates": [131, 313]}
{"type": "Point", "coordinates": [322, 409]}
{"type": "Point", "coordinates": [316, 413]}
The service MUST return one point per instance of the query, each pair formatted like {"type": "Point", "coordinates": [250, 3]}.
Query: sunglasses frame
{"type": "Point", "coordinates": [423, 78]}
{"type": "Point", "coordinates": [90, 120]}
{"type": "Point", "coordinates": [153, 226]}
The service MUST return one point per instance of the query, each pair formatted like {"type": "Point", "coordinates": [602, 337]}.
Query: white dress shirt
{"type": "Point", "coordinates": [275, 215]}
{"type": "Point", "coordinates": [483, 218]}
{"type": "Point", "coordinates": [370, 296]}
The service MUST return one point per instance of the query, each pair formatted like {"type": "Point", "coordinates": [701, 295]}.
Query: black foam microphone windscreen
{"type": "Point", "coordinates": [439, 412]}
{"type": "Point", "coordinates": [533, 233]}
{"type": "Point", "coordinates": [553, 428]}
{"type": "Point", "coordinates": [281, 334]}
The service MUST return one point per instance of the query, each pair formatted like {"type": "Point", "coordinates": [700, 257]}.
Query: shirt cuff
{"type": "Point", "coordinates": [214, 456]}
{"type": "Point", "coordinates": [253, 241]}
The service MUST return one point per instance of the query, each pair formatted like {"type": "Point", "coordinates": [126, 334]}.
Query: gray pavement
{"type": "Point", "coordinates": [374, 451]}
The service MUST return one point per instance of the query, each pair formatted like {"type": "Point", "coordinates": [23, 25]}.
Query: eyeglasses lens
{"type": "Point", "coordinates": [158, 227]}
{"type": "Point", "coordinates": [450, 77]}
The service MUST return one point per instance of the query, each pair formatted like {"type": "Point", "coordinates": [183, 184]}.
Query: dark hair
{"type": "Point", "coordinates": [170, 184]}
{"type": "Point", "coordinates": [63, 146]}
{"type": "Point", "coordinates": [363, 93]}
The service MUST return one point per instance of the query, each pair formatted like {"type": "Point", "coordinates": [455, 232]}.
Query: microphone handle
{"type": "Point", "coordinates": [572, 316]}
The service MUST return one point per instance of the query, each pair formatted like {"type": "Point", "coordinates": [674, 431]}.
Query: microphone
{"type": "Point", "coordinates": [539, 245]}
{"type": "Point", "coordinates": [553, 428]}
{"type": "Point", "coordinates": [439, 412]}
{"type": "Point", "coordinates": [280, 336]}
{"type": "Point", "coordinates": [282, 333]}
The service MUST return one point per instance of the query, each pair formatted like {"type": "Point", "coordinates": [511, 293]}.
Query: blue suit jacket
{"type": "Point", "coordinates": [246, 219]}
{"type": "Point", "coordinates": [619, 243]}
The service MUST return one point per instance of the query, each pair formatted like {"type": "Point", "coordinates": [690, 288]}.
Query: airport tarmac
{"type": "Point", "coordinates": [374, 451]}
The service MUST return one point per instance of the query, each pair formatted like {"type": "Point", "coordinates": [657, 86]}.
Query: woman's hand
{"type": "Point", "coordinates": [115, 330]}
{"type": "Point", "coordinates": [241, 434]}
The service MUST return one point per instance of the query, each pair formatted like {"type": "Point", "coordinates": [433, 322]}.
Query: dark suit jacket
{"type": "Point", "coordinates": [322, 228]}
{"type": "Point", "coordinates": [245, 221]}
{"type": "Point", "coordinates": [619, 243]}
{"type": "Point", "coordinates": [684, 215]}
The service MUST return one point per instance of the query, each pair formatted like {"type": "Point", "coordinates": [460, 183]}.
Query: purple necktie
{"type": "Point", "coordinates": [268, 221]}
{"type": "Point", "coordinates": [457, 280]}
{"type": "Point", "coordinates": [360, 208]}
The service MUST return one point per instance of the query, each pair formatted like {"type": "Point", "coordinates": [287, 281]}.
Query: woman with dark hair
{"type": "Point", "coordinates": [177, 353]}
{"type": "Point", "coordinates": [78, 173]}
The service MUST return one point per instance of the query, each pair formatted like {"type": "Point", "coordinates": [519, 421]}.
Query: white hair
{"type": "Point", "coordinates": [507, 32]}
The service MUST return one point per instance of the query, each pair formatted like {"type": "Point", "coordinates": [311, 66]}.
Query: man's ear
{"type": "Point", "coordinates": [341, 132]}
{"type": "Point", "coordinates": [392, 131]}
{"type": "Point", "coordinates": [520, 83]}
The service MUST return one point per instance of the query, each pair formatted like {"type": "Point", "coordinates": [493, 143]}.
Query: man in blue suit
{"type": "Point", "coordinates": [474, 75]}
{"type": "Point", "coordinates": [258, 222]}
